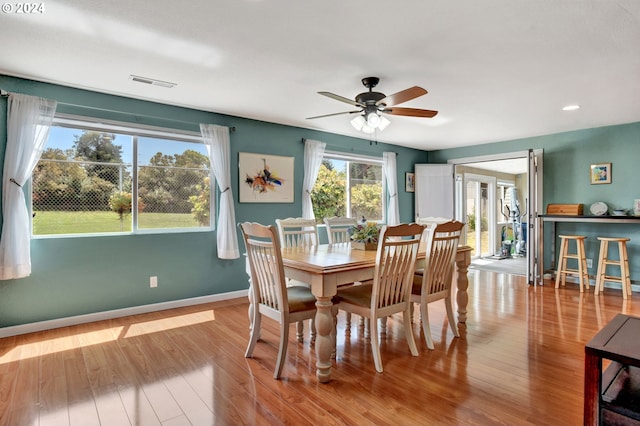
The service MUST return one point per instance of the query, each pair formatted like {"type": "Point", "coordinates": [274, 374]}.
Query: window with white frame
{"type": "Point", "coordinates": [97, 178]}
{"type": "Point", "coordinates": [349, 186]}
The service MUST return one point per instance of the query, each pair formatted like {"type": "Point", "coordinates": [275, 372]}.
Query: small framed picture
{"type": "Point", "coordinates": [410, 182]}
{"type": "Point", "coordinates": [600, 173]}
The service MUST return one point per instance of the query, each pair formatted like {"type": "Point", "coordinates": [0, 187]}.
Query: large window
{"type": "Point", "coordinates": [102, 178]}
{"type": "Point", "coordinates": [349, 186]}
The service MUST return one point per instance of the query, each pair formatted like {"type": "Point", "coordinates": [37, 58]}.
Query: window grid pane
{"type": "Point", "coordinates": [349, 187]}
{"type": "Point", "coordinates": [84, 179]}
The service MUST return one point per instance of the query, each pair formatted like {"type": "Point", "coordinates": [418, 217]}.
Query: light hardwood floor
{"type": "Point", "coordinates": [519, 361]}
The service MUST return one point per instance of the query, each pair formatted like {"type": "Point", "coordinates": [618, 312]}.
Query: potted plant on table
{"type": "Point", "coordinates": [365, 237]}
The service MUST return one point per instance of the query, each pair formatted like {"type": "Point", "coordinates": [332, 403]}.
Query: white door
{"type": "Point", "coordinates": [434, 190]}
{"type": "Point", "coordinates": [479, 207]}
{"type": "Point", "coordinates": [435, 197]}
{"type": "Point", "coordinates": [534, 208]}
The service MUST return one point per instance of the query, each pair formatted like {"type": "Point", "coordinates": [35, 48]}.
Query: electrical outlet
{"type": "Point", "coordinates": [153, 282]}
{"type": "Point", "coordinates": [589, 263]}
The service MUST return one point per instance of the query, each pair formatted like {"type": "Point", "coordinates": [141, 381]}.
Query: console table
{"type": "Point", "coordinates": [613, 396]}
{"type": "Point", "coordinates": [553, 219]}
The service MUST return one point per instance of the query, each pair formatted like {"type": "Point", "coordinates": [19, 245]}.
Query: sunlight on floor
{"type": "Point", "coordinates": [169, 323]}
{"type": "Point", "coordinates": [81, 340]}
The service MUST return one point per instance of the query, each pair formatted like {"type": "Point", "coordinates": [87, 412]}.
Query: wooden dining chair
{"type": "Point", "coordinates": [270, 294]}
{"type": "Point", "coordinates": [298, 232]}
{"type": "Point", "coordinates": [338, 228]}
{"type": "Point", "coordinates": [390, 291]}
{"type": "Point", "coordinates": [428, 220]}
{"type": "Point", "coordinates": [434, 282]}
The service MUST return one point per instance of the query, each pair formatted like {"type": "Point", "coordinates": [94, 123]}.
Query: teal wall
{"type": "Point", "coordinates": [82, 275]}
{"type": "Point", "coordinates": [566, 160]}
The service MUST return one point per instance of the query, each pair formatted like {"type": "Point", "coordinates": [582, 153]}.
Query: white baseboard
{"type": "Point", "coordinates": [116, 313]}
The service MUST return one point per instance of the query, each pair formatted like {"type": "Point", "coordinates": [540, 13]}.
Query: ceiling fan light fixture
{"type": "Point", "coordinates": [372, 105]}
{"type": "Point", "coordinates": [358, 122]}
{"type": "Point", "coordinates": [373, 119]}
{"type": "Point", "coordinates": [366, 125]}
{"type": "Point", "coordinates": [368, 129]}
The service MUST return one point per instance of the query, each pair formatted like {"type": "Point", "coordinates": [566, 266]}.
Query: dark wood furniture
{"type": "Point", "coordinates": [612, 396]}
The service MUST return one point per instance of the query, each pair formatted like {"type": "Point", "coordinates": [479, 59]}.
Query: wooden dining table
{"type": "Point", "coordinates": [327, 266]}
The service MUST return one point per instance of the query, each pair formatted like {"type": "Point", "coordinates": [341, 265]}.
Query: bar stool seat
{"type": "Point", "coordinates": [623, 263]}
{"type": "Point", "coordinates": [579, 255]}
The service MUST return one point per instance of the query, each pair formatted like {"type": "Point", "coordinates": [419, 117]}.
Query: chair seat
{"type": "Point", "coordinates": [300, 299]}
{"type": "Point", "coordinates": [359, 295]}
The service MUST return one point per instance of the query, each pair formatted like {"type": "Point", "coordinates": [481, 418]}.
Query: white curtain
{"type": "Point", "coordinates": [28, 121]}
{"type": "Point", "coordinates": [391, 176]}
{"type": "Point", "coordinates": [313, 152]}
{"type": "Point", "coordinates": [216, 138]}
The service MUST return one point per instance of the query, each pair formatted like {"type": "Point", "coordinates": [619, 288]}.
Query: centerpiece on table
{"type": "Point", "coordinates": [365, 237]}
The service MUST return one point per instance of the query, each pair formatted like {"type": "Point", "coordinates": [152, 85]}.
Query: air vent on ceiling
{"type": "Point", "coordinates": [151, 81]}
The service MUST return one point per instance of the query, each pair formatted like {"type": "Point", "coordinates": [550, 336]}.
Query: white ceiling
{"type": "Point", "coordinates": [495, 69]}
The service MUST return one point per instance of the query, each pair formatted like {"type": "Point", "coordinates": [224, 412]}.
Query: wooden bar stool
{"type": "Point", "coordinates": [623, 263]}
{"type": "Point", "coordinates": [579, 255]}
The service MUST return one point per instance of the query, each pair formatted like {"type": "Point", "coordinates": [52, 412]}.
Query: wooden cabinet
{"type": "Point", "coordinates": [612, 396]}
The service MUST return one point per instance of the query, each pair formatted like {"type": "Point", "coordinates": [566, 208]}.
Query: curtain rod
{"type": "Point", "coordinates": [303, 140]}
{"type": "Point", "coordinates": [5, 94]}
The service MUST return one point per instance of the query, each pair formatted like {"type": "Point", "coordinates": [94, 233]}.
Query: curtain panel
{"type": "Point", "coordinates": [216, 138]}
{"type": "Point", "coordinates": [313, 153]}
{"type": "Point", "coordinates": [29, 119]}
{"type": "Point", "coordinates": [391, 176]}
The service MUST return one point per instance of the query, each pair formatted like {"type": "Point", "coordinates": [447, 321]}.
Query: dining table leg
{"type": "Point", "coordinates": [324, 341]}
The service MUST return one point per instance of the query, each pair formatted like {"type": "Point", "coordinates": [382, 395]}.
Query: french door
{"type": "Point", "coordinates": [436, 196]}
{"type": "Point", "coordinates": [479, 206]}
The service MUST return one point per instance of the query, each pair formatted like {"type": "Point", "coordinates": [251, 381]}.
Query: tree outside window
{"type": "Point", "coordinates": [348, 188]}
{"type": "Point", "coordinates": [84, 183]}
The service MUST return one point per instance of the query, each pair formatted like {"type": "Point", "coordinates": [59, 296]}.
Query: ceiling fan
{"type": "Point", "coordinates": [372, 104]}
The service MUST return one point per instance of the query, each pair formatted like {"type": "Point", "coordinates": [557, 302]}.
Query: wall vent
{"type": "Point", "coordinates": [151, 81]}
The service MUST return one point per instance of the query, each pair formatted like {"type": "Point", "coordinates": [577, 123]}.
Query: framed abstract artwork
{"type": "Point", "coordinates": [600, 173]}
{"type": "Point", "coordinates": [265, 178]}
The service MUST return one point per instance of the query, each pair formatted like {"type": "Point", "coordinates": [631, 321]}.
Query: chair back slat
{"type": "Point", "coordinates": [267, 270]}
{"type": "Point", "coordinates": [440, 260]}
{"type": "Point", "coordinates": [395, 265]}
{"type": "Point", "coordinates": [297, 232]}
{"type": "Point", "coordinates": [338, 229]}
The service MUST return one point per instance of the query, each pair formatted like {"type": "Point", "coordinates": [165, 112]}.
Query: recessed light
{"type": "Point", "coordinates": [571, 107]}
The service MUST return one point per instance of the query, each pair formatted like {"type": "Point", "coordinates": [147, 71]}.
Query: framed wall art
{"type": "Point", "coordinates": [410, 182]}
{"type": "Point", "coordinates": [600, 173]}
{"type": "Point", "coordinates": [265, 178]}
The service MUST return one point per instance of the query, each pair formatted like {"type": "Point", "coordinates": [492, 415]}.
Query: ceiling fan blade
{"type": "Point", "coordinates": [411, 112]}
{"type": "Point", "coordinates": [402, 96]}
{"type": "Point", "coordinates": [335, 113]}
{"type": "Point", "coordinates": [341, 99]}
